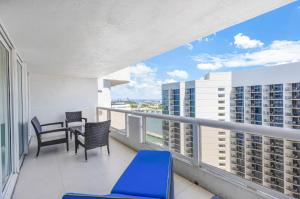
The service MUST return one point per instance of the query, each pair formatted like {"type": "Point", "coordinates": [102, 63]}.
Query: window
{"type": "Point", "coordinates": [5, 129]}
{"type": "Point", "coordinates": [222, 139]}
{"type": "Point", "coordinates": [221, 114]}
{"type": "Point", "coordinates": [221, 164]}
{"type": "Point", "coordinates": [222, 152]}
{"type": "Point", "coordinates": [221, 108]}
{"type": "Point", "coordinates": [222, 145]}
{"type": "Point", "coordinates": [221, 101]}
{"type": "Point", "coordinates": [222, 158]}
{"type": "Point", "coordinates": [221, 89]}
{"type": "Point", "coordinates": [221, 133]}
{"type": "Point", "coordinates": [221, 95]}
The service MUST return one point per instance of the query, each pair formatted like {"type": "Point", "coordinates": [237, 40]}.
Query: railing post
{"type": "Point", "coordinates": [97, 114]}
{"type": "Point", "coordinates": [196, 144]}
{"type": "Point", "coordinates": [126, 125]}
{"type": "Point", "coordinates": [108, 115]}
{"type": "Point", "coordinates": [143, 130]}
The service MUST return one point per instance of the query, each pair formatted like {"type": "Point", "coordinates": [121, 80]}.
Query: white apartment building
{"type": "Point", "coordinates": [207, 98]}
{"type": "Point", "coordinates": [268, 96]}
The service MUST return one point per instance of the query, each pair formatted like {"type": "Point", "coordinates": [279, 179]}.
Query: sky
{"type": "Point", "coordinates": [269, 39]}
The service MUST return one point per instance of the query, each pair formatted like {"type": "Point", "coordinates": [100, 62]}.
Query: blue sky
{"type": "Point", "coordinates": [269, 39]}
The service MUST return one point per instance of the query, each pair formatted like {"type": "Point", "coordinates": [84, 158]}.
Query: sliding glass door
{"type": "Point", "coordinates": [6, 161]}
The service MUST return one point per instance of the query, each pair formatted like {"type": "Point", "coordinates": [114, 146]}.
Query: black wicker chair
{"type": "Point", "coordinates": [95, 135]}
{"type": "Point", "coordinates": [72, 117]}
{"type": "Point", "coordinates": [49, 137]}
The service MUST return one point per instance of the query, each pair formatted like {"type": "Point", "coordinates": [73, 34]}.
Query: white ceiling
{"type": "Point", "coordinates": [92, 38]}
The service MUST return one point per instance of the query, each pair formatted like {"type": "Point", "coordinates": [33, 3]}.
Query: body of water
{"type": "Point", "coordinates": [154, 126]}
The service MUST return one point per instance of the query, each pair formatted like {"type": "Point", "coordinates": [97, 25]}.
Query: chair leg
{"type": "Point", "coordinates": [108, 149]}
{"type": "Point", "coordinates": [76, 146]}
{"type": "Point", "coordinates": [85, 153]}
{"type": "Point", "coordinates": [67, 139]}
{"type": "Point", "coordinates": [38, 151]}
{"type": "Point", "coordinates": [67, 145]}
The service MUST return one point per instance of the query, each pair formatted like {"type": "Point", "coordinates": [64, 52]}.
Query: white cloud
{"type": "Point", "coordinates": [244, 42]}
{"type": "Point", "coordinates": [189, 46]}
{"type": "Point", "coordinates": [209, 66]}
{"type": "Point", "coordinates": [278, 52]}
{"type": "Point", "coordinates": [141, 69]}
{"type": "Point", "coordinates": [144, 84]}
{"type": "Point", "coordinates": [181, 74]}
{"type": "Point", "coordinates": [167, 81]}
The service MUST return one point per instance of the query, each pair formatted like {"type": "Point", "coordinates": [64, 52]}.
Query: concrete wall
{"type": "Point", "coordinates": [52, 96]}
{"type": "Point", "coordinates": [105, 84]}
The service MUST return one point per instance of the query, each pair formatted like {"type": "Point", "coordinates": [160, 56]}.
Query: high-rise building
{"type": "Point", "coordinates": [269, 96]}
{"type": "Point", "coordinates": [207, 98]}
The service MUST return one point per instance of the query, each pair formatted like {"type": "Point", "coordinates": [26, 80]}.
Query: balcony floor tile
{"type": "Point", "coordinates": [57, 171]}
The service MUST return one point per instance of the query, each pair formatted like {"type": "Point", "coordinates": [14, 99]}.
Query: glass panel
{"type": "Point", "coordinates": [259, 159]}
{"type": "Point", "coordinates": [176, 136]}
{"type": "Point", "coordinates": [4, 115]}
{"type": "Point", "coordinates": [20, 110]}
{"type": "Point", "coordinates": [118, 121]}
{"type": "Point", "coordinates": [154, 133]}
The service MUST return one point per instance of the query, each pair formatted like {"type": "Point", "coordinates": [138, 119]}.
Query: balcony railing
{"type": "Point", "coordinates": [193, 140]}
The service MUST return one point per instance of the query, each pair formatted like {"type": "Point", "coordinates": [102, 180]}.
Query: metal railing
{"type": "Point", "coordinates": [260, 158]}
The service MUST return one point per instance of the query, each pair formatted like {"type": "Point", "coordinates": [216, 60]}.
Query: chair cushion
{"type": "Point", "coordinates": [53, 136]}
{"type": "Point", "coordinates": [111, 196]}
{"type": "Point", "coordinates": [76, 124]}
{"type": "Point", "coordinates": [81, 138]}
{"type": "Point", "coordinates": [148, 175]}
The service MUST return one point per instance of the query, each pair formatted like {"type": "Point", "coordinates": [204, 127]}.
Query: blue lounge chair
{"type": "Point", "coordinates": [149, 176]}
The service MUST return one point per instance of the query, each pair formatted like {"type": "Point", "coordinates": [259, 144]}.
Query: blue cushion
{"type": "Point", "coordinates": [148, 175]}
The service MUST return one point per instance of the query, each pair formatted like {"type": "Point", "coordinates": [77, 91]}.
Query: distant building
{"type": "Point", "coordinates": [205, 98]}
{"type": "Point", "coordinates": [268, 96]}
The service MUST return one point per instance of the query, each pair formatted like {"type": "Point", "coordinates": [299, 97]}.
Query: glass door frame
{"type": "Point", "coordinates": [7, 47]}
{"type": "Point", "coordinates": [25, 124]}
{"type": "Point", "coordinates": [7, 190]}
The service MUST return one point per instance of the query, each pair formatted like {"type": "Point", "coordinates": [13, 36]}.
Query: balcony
{"type": "Point", "coordinates": [69, 54]}
{"type": "Point", "coordinates": [260, 150]}
{"type": "Point", "coordinates": [69, 172]}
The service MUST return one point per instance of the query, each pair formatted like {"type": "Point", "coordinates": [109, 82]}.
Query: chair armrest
{"type": "Point", "coordinates": [67, 122]}
{"type": "Point", "coordinates": [54, 123]}
{"type": "Point", "coordinates": [78, 132]}
{"type": "Point", "coordinates": [85, 119]}
{"type": "Point", "coordinates": [54, 130]}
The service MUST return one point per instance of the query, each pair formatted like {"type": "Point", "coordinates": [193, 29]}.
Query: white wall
{"type": "Point", "coordinates": [52, 96]}
{"type": "Point", "coordinates": [207, 103]}
{"type": "Point", "coordinates": [105, 83]}
{"type": "Point", "coordinates": [104, 93]}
